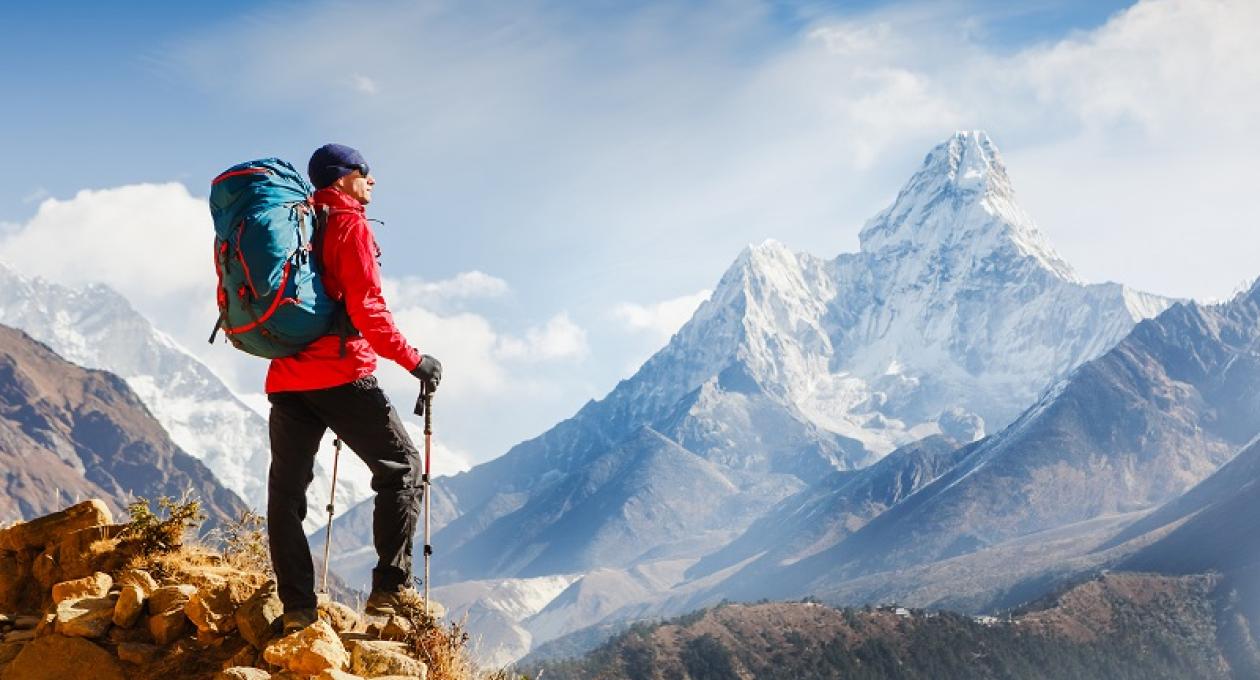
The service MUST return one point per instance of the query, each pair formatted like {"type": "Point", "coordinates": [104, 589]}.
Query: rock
{"type": "Point", "coordinates": [118, 635]}
{"type": "Point", "coordinates": [372, 658]}
{"type": "Point", "coordinates": [19, 636]}
{"type": "Point", "coordinates": [46, 625]}
{"type": "Point", "coordinates": [397, 628]}
{"type": "Point", "coordinates": [42, 531]}
{"type": "Point", "coordinates": [45, 570]}
{"type": "Point", "coordinates": [343, 619]}
{"type": "Point", "coordinates": [57, 658]}
{"type": "Point", "coordinates": [9, 650]}
{"type": "Point", "coordinates": [213, 609]}
{"type": "Point", "coordinates": [129, 607]}
{"type": "Point", "coordinates": [95, 586]}
{"type": "Point", "coordinates": [75, 554]}
{"type": "Point", "coordinates": [242, 673]}
{"type": "Point", "coordinates": [338, 675]}
{"type": "Point", "coordinates": [245, 656]}
{"type": "Point", "coordinates": [256, 617]}
{"type": "Point", "coordinates": [205, 639]}
{"type": "Point", "coordinates": [139, 578]}
{"type": "Point", "coordinates": [89, 617]}
{"type": "Point", "coordinates": [138, 653]}
{"type": "Point", "coordinates": [10, 580]}
{"type": "Point", "coordinates": [312, 650]}
{"type": "Point", "coordinates": [24, 622]}
{"type": "Point", "coordinates": [168, 627]}
{"type": "Point", "coordinates": [168, 598]}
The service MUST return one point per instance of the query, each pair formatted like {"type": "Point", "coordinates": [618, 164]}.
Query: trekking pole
{"type": "Point", "coordinates": [425, 404]}
{"type": "Point", "coordinates": [332, 496]}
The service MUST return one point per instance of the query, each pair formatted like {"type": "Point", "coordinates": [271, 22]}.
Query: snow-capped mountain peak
{"type": "Point", "coordinates": [955, 214]}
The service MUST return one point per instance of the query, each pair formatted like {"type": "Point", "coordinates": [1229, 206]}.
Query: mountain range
{"type": "Point", "coordinates": [813, 397]}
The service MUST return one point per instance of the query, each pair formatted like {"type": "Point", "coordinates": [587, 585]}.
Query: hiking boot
{"type": "Point", "coordinates": [295, 621]}
{"type": "Point", "coordinates": [388, 602]}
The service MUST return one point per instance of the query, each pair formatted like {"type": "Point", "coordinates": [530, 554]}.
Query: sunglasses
{"type": "Point", "coordinates": [361, 167]}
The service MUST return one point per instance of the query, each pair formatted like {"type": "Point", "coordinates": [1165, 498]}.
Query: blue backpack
{"type": "Point", "coordinates": [271, 300]}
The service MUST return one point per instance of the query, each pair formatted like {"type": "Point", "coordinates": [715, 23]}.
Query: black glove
{"type": "Point", "coordinates": [429, 371]}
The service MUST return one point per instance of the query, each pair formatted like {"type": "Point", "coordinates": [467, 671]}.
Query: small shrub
{"type": "Point", "coordinates": [441, 646]}
{"type": "Point", "coordinates": [158, 532]}
{"type": "Point", "coordinates": [244, 545]}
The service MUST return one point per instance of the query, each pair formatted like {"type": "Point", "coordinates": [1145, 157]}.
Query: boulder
{"type": "Point", "coordinates": [9, 650]}
{"type": "Point", "coordinates": [242, 673]}
{"type": "Point", "coordinates": [338, 675]}
{"type": "Point", "coordinates": [256, 617]}
{"type": "Point", "coordinates": [310, 651]}
{"type": "Point", "coordinates": [89, 617]}
{"type": "Point", "coordinates": [56, 658]}
{"type": "Point", "coordinates": [245, 656]}
{"type": "Point", "coordinates": [45, 570]}
{"type": "Point", "coordinates": [118, 635]}
{"type": "Point", "coordinates": [49, 529]}
{"type": "Point", "coordinates": [372, 658]}
{"type": "Point", "coordinates": [75, 553]}
{"type": "Point", "coordinates": [19, 636]}
{"type": "Point", "coordinates": [343, 619]}
{"type": "Point", "coordinates": [213, 609]}
{"type": "Point", "coordinates": [47, 625]}
{"type": "Point", "coordinates": [138, 653]}
{"type": "Point", "coordinates": [10, 581]}
{"type": "Point", "coordinates": [94, 586]}
{"type": "Point", "coordinates": [168, 627]}
{"type": "Point", "coordinates": [129, 607]}
{"type": "Point", "coordinates": [397, 628]}
{"type": "Point", "coordinates": [168, 598]}
{"type": "Point", "coordinates": [139, 578]}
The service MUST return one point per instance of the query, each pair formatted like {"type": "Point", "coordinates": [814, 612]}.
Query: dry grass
{"type": "Point", "coordinates": [442, 646]}
{"type": "Point", "coordinates": [243, 543]}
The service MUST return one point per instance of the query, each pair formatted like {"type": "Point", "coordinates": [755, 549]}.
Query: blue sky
{"type": "Point", "coordinates": [562, 182]}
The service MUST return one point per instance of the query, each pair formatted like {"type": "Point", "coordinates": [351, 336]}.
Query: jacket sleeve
{"type": "Point", "coordinates": [355, 267]}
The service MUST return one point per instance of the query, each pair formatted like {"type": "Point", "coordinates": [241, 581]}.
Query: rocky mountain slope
{"type": "Point", "coordinates": [1128, 431]}
{"type": "Point", "coordinates": [69, 433]}
{"type": "Point", "coordinates": [1120, 626]}
{"type": "Point", "coordinates": [94, 326]}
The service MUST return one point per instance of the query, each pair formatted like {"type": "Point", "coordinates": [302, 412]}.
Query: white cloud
{"type": "Point", "coordinates": [36, 194]}
{"type": "Point", "coordinates": [660, 319]}
{"type": "Point", "coordinates": [462, 286]}
{"type": "Point", "coordinates": [364, 84]}
{"type": "Point", "coordinates": [558, 339]}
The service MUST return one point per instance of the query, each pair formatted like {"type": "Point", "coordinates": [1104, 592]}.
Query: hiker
{"type": "Point", "coordinates": [329, 385]}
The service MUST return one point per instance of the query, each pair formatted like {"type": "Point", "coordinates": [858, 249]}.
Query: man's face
{"type": "Point", "coordinates": [357, 185]}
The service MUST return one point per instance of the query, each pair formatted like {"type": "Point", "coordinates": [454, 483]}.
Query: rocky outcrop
{"type": "Point", "coordinates": [192, 615]}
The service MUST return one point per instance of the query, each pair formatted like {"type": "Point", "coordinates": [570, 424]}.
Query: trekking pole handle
{"type": "Point", "coordinates": [428, 413]}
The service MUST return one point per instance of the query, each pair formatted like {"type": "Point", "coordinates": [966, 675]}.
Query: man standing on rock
{"type": "Point", "coordinates": [329, 385]}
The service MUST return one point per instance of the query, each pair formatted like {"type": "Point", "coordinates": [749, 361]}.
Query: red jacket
{"type": "Point", "coordinates": [351, 274]}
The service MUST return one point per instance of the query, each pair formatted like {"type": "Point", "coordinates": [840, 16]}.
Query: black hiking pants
{"type": "Point", "coordinates": [361, 415]}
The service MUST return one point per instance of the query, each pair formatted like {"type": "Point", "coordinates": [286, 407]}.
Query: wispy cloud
{"type": "Point", "coordinates": [660, 319]}
{"type": "Point", "coordinates": [363, 84]}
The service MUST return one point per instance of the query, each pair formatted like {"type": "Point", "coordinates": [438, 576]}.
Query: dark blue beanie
{"type": "Point", "coordinates": [331, 162]}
